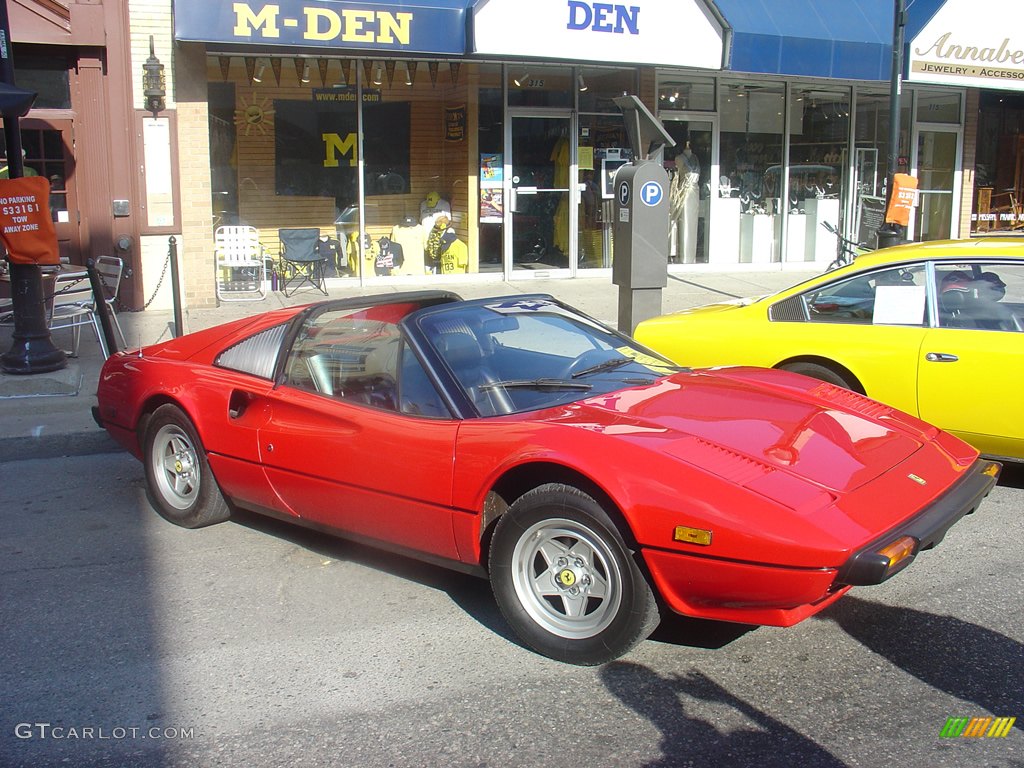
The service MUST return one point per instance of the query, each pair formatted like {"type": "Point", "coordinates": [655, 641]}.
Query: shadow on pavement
{"type": "Point", "coordinates": [965, 660]}
{"type": "Point", "coordinates": [1012, 475]}
{"type": "Point", "coordinates": [471, 593]}
{"type": "Point", "coordinates": [765, 742]}
{"type": "Point", "coordinates": [698, 633]}
{"type": "Point", "coordinates": [81, 660]}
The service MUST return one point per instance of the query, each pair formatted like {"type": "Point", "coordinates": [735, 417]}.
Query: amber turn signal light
{"type": "Point", "coordinates": [899, 550]}
{"type": "Point", "coordinates": [689, 535]}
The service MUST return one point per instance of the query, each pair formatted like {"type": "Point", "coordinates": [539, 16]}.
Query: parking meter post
{"type": "Point", "coordinates": [641, 218]}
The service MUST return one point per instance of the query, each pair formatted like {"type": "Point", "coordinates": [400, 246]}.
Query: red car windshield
{"type": "Point", "coordinates": [512, 355]}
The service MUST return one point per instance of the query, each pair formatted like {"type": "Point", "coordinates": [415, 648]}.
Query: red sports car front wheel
{"type": "Point", "coordinates": [565, 579]}
{"type": "Point", "coordinates": [181, 485]}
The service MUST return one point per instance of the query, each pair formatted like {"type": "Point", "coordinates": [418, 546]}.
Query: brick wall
{"type": "Point", "coordinates": [196, 250]}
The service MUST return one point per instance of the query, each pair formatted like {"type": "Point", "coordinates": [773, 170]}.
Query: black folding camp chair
{"type": "Point", "coordinates": [302, 262]}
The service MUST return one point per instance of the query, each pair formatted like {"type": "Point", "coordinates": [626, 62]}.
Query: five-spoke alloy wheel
{"type": "Point", "coordinates": [565, 579]}
{"type": "Point", "coordinates": [180, 483]}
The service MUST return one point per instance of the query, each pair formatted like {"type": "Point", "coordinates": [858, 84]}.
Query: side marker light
{"type": "Point", "coordinates": [689, 535]}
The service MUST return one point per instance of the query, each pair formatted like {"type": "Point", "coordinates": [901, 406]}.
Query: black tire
{"type": "Point", "coordinates": [181, 486]}
{"type": "Point", "coordinates": [820, 372]}
{"type": "Point", "coordinates": [555, 540]}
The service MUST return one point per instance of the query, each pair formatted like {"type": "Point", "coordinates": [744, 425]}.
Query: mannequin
{"type": "Point", "coordinates": [684, 205]}
{"type": "Point", "coordinates": [431, 208]}
{"type": "Point", "coordinates": [434, 246]}
{"type": "Point", "coordinates": [454, 256]}
{"type": "Point", "coordinates": [410, 235]}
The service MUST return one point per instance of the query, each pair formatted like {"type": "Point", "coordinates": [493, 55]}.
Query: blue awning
{"type": "Point", "coordinates": [842, 39]}
{"type": "Point", "coordinates": [406, 26]}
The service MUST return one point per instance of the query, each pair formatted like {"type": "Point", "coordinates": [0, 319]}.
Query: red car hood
{"type": "Point", "coordinates": [738, 423]}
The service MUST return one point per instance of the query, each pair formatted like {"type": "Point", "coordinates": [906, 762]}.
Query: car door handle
{"type": "Point", "coordinates": [238, 403]}
{"type": "Point", "coordinates": [940, 357]}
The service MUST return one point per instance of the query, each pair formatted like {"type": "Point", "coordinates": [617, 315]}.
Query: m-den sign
{"type": "Point", "coordinates": [411, 27]}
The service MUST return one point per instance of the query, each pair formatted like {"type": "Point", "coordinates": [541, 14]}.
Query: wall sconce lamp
{"type": "Point", "coordinates": [258, 77]}
{"type": "Point", "coordinates": [378, 75]}
{"type": "Point", "coordinates": [305, 73]}
{"type": "Point", "coordinates": [581, 83]}
{"type": "Point", "coordinates": [408, 74]}
{"type": "Point", "coordinates": [154, 86]}
{"type": "Point", "coordinates": [521, 79]}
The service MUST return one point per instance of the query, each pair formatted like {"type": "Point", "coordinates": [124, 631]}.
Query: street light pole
{"type": "Point", "coordinates": [892, 233]}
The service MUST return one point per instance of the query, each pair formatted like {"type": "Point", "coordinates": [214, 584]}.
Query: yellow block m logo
{"type": "Point", "coordinates": [335, 145]}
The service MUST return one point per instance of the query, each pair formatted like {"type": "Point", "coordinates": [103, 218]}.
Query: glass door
{"type": "Point", "coordinates": [539, 230]}
{"type": "Point", "coordinates": [693, 181]}
{"type": "Point", "coordinates": [936, 166]}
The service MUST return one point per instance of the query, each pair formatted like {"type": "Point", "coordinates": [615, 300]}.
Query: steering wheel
{"type": "Point", "coordinates": [490, 400]}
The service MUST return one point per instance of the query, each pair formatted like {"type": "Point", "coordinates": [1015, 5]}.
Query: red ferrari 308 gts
{"type": "Point", "coordinates": [595, 483]}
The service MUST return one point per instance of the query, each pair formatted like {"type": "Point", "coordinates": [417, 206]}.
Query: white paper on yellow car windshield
{"type": "Point", "coordinates": [899, 305]}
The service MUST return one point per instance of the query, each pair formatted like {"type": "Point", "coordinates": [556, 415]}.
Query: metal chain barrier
{"type": "Point", "coordinates": [160, 282]}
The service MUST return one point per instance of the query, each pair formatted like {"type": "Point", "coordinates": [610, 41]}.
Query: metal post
{"type": "Point", "coordinates": [99, 298]}
{"type": "Point", "coordinates": [175, 289]}
{"type": "Point", "coordinates": [32, 350]}
{"type": "Point", "coordinates": [890, 233]}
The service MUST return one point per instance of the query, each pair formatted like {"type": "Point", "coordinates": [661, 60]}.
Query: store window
{"type": "Point", "coordinates": [816, 173]}
{"type": "Point", "coordinates": [938, 106]}
{"type": "Point", "coordinates": [686, 94]}
{"type": "Point", "coordinates": [223, 146]}
{"type": "Point", "coordinates": [598, 87]}
{"type": "Point", "coordinates": [37, 68]}
{"type": "Point", "coordinates": [752, 119]}
{"type": "Point", "coordinates": [491, 174]}
{"type": "Point", "coordinates": [864, 212]}
{"type": "Point", "coordinates": [999, 165]}
{"type": "Point", "coordinates": [602, 148]}
{"type": "Point", "coordinates": [531, 85]}
{"type": "Point", "coordinates": [290, 137]}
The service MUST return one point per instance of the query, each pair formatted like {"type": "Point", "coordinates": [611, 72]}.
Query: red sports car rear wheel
{"type": "Point", "coordinates": [565, 579]}
{"type": "Point", "coordinates": [181, 485]}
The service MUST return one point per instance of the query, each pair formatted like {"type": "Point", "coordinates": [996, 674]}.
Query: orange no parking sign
{"type": "Point", "coordinates": [904, 197]}
{"type": "Point", "coordinates": [25, 224]}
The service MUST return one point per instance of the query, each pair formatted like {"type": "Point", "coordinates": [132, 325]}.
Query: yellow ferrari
{"type": "Point", "coordinates": [934, 329]}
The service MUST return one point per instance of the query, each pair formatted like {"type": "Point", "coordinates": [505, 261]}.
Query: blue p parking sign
{"type": "Point", "coordinates": [651, 193]}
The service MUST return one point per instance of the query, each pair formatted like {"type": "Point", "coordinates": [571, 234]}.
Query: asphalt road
{"type": "Point", "coordinates": [129, 642]}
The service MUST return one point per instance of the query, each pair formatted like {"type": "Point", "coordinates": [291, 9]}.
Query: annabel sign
{"type": "Point", "coordinates": [961, 47]}
{"type": "Point", "coordinates": [418, 26]}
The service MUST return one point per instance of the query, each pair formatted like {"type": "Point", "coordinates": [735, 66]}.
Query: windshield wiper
{"type": "Point", "coordinates": [537, 384]}
{"type": "Point", "coordinates": [607, 365]}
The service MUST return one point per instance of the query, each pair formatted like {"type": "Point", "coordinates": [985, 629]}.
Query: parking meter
{"type": "Point", "coordinates": [641, 225]}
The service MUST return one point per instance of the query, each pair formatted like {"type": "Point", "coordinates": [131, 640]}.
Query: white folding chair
{"type": "Point", "coordinates": [241, 269]}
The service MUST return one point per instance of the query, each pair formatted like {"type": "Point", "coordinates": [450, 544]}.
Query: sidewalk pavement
{"type": "Point", "coordinates": [48, 415]}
